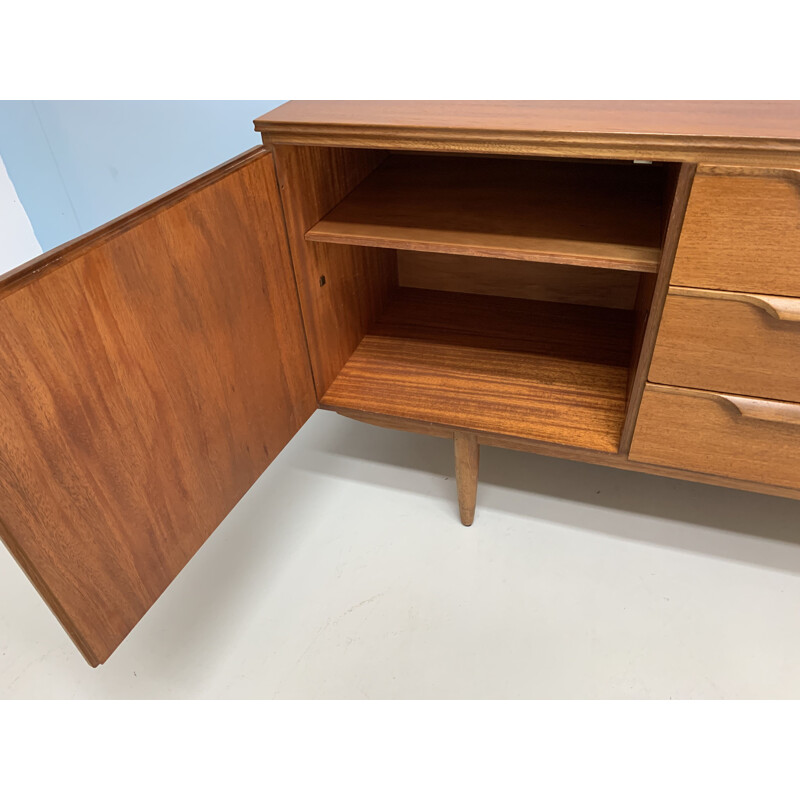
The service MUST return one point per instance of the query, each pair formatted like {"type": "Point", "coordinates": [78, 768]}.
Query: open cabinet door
{"type": "Point", "coordinates": [149, 373]}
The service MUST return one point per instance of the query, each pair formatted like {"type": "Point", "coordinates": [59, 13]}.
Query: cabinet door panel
{"type": "Point", "coordinates": [149, 373]}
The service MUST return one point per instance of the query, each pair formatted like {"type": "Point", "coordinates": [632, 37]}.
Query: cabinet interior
{"type": "Point", "coordinates": [501, 295]}
{"type": "Point", "coordinates": [588, 213]}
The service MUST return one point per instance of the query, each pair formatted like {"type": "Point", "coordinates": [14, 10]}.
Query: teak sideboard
{"type": "Point", "coordinates": [613, 282]}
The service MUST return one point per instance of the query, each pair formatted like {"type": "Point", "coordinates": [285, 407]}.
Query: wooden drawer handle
{"type": "Point", "coordinates": [767, 410]}
{"type": "Point", "coordinates": [749, 407]}
{"type": "Point", "coordinates": [786, 309]}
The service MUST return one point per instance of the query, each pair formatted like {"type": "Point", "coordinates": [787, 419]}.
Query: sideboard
{"type": "Point", "coordinates": [612, 282]}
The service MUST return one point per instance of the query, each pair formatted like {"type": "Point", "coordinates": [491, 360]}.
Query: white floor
{"type": "Point", "coordinates": [345, 573]}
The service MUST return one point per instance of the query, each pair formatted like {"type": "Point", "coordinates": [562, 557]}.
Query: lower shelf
{"type": "Point", "coordinates": [546, 371]}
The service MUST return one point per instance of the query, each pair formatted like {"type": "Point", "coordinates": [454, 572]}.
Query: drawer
{"type": "Point", "coordinates": [719, 434]}
{"type": "Point", "coordinates": [741, 231]}
{"type": "Point", "coordinates": [729, 342]}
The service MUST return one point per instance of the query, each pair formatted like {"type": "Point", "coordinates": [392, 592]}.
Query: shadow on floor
{"type": "Point", "coordinates": [715, 521]}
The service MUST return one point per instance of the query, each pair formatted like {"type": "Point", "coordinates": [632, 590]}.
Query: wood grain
{"type": "Point", "coordinates": [545, 371]}
{"type": "Point", "coordinates": [784, 309]}
{"type": "Point", "coordinates": [53, 259]}
{"type": "Point", "coordinates": [467, 454]}
{"type": "Point", "coordinates": [398, 423]}
{"type": "Point", "coordinates": [557, 283]}
{"type": "Point", "coordinates": [148, 375]}
{"type": "Point", "coordinates": [605, 215]}
{"type": "Point", "coordinates": [342, 289]}
{"type": "Point", "coordinates": [728, 342]}
{"type": "Point", "coordinates": [719, 434]}
{"type": "Point", "coordinates": [742, 232]}
{"type": "Point", "coordinates": [732, 132]}
{"type": "Point", "coordinates": [651, 298]}
{"type": "Point", "coordinates": [766, 410]}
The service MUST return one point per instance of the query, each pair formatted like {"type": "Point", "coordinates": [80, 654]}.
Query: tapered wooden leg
{"type": "Point", "coordinates": [467, 458]}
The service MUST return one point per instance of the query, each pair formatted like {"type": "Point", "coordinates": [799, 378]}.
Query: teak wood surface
{"type": "Point", "coordinates": [735, 437]}
{"type": "Point", "coordinates": [555, 283]}
{"type": "Point", "coordinates": [151, 370]}
{"type": "Point", "coordinates": [587, 214]}
{"type": "Point", "coordinates": [650, 301]}
{"type": "Point", "coordinates": [148, 375]}
{"type": "Point", "coordinates": [728, 342]}
{"type": "Point", "coordinates": [722, 132]}
{"type": "Point", "coordinates": [342, 289]}
{"type": "Point", "coordinates": [468, 454]}
{"type": "Point", "coordinates": [742, 232]}
{"type": "Point", "coordinates": [545, 371]}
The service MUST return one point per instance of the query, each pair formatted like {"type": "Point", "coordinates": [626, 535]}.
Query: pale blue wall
{"type": "Point", "coordinates": [78, 164]}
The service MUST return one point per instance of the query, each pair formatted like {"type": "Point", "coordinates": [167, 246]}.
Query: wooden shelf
{"type": "Point", "coordinates": [595, 214]}
{"type": "Point", "coordinates": [545, 371]}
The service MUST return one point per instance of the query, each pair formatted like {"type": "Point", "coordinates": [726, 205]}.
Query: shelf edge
{"type": "Point", "coordinates": [646, 264]}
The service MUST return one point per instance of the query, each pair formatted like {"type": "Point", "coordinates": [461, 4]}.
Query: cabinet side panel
{"type": "Point", "coordinates": [651, 297]}
{"type": "Point", "coordinates": [338, 310]}
{"type": "Point", "coordinates": [147, 378]}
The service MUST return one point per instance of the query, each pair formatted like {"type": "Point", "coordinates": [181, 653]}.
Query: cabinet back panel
{"type": "Point", "coordinates": [558, 283]}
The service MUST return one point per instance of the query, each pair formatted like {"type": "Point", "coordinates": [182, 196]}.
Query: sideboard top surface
{"type": "Point", "coordinates": [738, 131]}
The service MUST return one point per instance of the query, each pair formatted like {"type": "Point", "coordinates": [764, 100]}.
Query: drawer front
{"type": "Point", "coordinates": [729, 342]}
{"type": "Point", "coordinates": [719, 434]}
{"type": "Point", "coordinates": [741, 231]}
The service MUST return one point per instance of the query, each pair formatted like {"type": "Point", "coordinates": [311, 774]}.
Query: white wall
{"type": "Point", "coordinates": [78, 164]}
{"type": "Point", "coordinates": [17, 240]}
